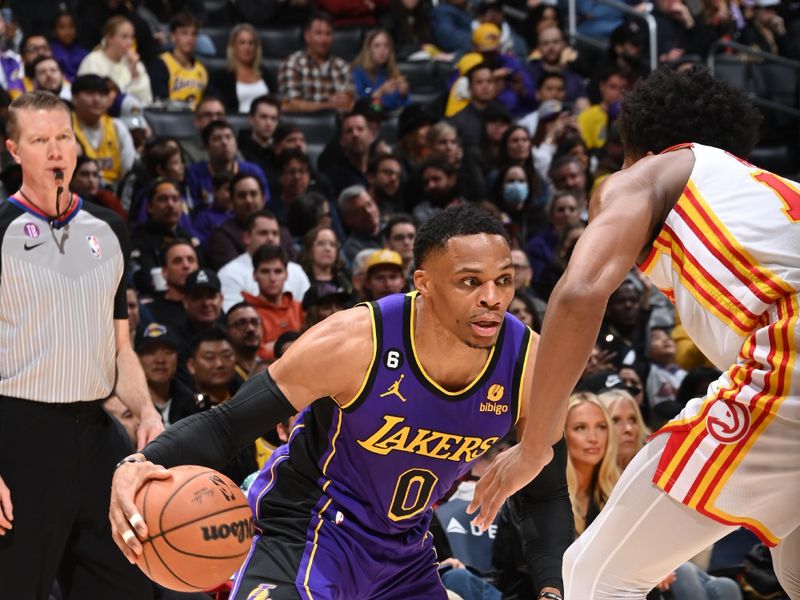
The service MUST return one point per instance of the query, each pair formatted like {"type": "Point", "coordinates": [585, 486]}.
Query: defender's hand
{"type": "Point", "coordinates": [508, 473]}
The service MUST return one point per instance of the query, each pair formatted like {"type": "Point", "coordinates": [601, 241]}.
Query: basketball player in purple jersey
{"type": "Point", "coordinates": [397, 398]}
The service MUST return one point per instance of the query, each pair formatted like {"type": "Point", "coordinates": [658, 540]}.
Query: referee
{"type": "Point", "coordinates": [64, 347]}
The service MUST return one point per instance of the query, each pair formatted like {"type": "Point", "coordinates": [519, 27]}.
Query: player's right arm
{"type": "Point", "coordinates": [330, 359]}
{"type": "Point", "coordinates": [624, 212]}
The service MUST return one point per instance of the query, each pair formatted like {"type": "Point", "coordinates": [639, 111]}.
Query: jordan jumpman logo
{"type": "Point", "coordinates": [394, 389]}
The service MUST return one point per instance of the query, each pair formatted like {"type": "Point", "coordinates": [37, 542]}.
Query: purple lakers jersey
{"type": "Point", "coordinates": [384, 458]}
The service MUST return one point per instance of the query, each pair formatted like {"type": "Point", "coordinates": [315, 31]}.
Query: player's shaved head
{"type": "Point", "coordinates": [454, 222]}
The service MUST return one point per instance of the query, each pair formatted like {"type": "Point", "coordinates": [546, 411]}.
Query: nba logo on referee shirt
{"type": "Point", "coordinates": [94, 246]}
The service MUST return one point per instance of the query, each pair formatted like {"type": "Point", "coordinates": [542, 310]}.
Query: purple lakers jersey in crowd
{"type": "Point", "coordinates": [384, 458]}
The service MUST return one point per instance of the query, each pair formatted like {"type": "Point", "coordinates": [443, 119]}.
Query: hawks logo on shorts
{"type": "Point", "coordinates": [260, 592]}
{"type": "Point", "coordinates": [728, 421]}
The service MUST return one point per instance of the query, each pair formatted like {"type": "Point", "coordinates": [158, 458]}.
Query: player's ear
{"type": "Point", "coordinates": [421, 281]}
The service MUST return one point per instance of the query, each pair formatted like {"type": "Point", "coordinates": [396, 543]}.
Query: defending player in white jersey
{"type": "Point", "coordinates": [721, 238]}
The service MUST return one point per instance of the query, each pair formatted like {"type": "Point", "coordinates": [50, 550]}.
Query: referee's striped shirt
{"type": "Point", "coordinates": [60, 291]}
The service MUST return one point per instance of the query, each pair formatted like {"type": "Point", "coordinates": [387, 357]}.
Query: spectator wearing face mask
{"type": "Point", "coordinates": [516, 192]}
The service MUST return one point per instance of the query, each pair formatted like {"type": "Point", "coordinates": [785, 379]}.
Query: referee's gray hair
{"type": "Point", "coordinates": [348, 194]}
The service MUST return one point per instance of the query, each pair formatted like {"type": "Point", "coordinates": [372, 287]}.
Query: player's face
{"type": "Point", "coordinates": [627, 428]}
{"type": "Point", "coordinates": [469, 284]}
{"type": "Point", "coordinates": [586, 434]}
{"type": "Point", "coordinates": [46, 143]}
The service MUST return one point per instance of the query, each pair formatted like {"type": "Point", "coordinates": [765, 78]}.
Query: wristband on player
{"type": "Point", "coordinates": [129, 459]}
{"type": "Point", "coordinates": [550, 596]}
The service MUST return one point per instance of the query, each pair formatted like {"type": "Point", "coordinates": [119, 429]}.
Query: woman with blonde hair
{"type": "Point", "coordinates": [375, 72]}
{"type": "Point", "coordinates": [592, 457]}
{"type": "Point", "coordinates": [117, 59]}
{"type": "Point", "coordinates": [628, 423]}
{"type": "Point", "coordinates": [245, 79]}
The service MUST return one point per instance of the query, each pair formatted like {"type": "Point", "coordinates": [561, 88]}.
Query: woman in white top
{"type": "Point", "coordinates": [116, 59]}
{"type": "Point", "coordinates": [245, 78]}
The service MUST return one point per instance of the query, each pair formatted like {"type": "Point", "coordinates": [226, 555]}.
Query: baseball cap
{"type": "Point", "coordinates": [384, 258]}
{"type": "Point", "coordinates": [486, 37]}
{"type": "Point", "coordinates": [605, 381]}
{"type": "Point", "coordinates": [202, 278]}
{"type": "Point", "coordinates": [155, 334]}
{"type": "Point", "coordinates": [324, 291]}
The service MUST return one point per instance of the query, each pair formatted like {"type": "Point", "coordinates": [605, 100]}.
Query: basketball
{"type": "Point", "coordinates": [199, 529]}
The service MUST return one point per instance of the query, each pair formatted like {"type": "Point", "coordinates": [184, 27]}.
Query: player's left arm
{"type": "Point", "coordinates": [546, 525]}
{"type": "Point", "coordinates": [131, 386]}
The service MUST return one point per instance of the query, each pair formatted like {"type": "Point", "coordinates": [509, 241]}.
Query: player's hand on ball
{"type": "Point", "coordinates": [508, 473]}
{"type": "Point", "coordinates": [126, 522]}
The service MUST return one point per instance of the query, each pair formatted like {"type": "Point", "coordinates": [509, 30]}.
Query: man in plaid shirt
{"type": "Point", "coordinates": [312, 79]}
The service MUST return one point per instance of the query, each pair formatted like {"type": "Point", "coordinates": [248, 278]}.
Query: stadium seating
{"type": "Point", "coordinates": [171, 123]}
{"type": "Point", "coordinates": [347, 43]}
{"type": "Point", "coordinates": [319, 127]}
{"type": "Point", "coordinates": [280, 43]}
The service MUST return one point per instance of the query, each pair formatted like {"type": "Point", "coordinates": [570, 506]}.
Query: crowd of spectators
{"type": "Point", "coordinates": [251, 226]}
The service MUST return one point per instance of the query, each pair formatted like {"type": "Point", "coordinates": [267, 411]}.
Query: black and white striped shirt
{"type": "Point", "coordinates": [60, 290]}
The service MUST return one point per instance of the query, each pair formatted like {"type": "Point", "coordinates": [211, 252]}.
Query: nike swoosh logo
{"type": "Point", "coordinates": [27, 247]}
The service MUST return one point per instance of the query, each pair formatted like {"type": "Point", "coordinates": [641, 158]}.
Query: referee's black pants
{"type": "Point", "coordinates": [57, 460]}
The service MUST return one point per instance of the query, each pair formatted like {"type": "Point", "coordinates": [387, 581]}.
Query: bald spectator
{"type": "Point", "coordinates": [312, 79]}
{"type": "Point", "coordinates": [362, 219]}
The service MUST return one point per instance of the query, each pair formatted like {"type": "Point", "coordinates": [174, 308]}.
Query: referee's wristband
{"type": "Point", "coordinates": [550, 596]}
{"type": "Point", "coordinates": [129, 459]}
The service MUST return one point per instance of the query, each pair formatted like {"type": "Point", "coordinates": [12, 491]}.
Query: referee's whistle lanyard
{"type": "Point", "coordinates": [54, 222]}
